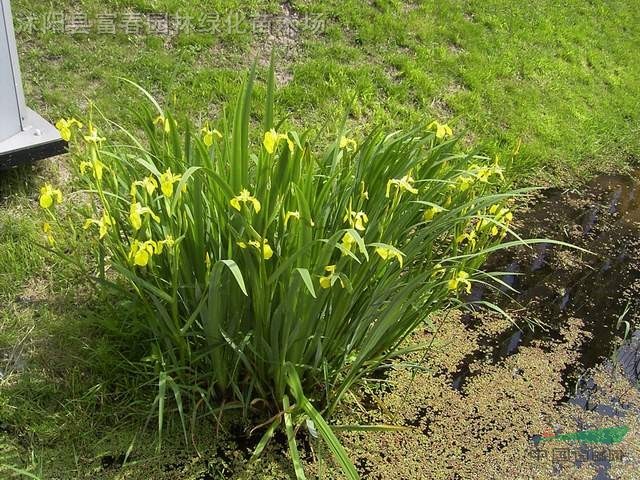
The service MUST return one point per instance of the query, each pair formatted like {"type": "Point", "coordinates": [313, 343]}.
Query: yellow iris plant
{"type": "Point", "coordinates": [364, 193]}
{"type": "Point", "coordinates": [348, 241]}
{"type": "Point", "coordinates": [485, 172]}
{"type": "Point", "coordinates": [461, 279]}
{"type": "Point", "coordinates": [289, 215]}
{"type": "Point", "coordinates": [49, 196]}
{"type": "Point", "coordinates": [498, 169]}
{"type": "Point", "coordinates": [330, 277]}
{"type": "Point", "coordinates": [463, 183]}
{"type": "Point", "coordinates": [404, 184]}
{"type": "Point", "coordinates": [470, 237]}
{"type": "Point", "coordinates": [387, 253]}
{"type": "Point", "coordinates": [502, 215]}
{"type": "Point", "coordinates": [438, 271]}
{"type": "Point", "coordinates": [482, 172]}
{"type": "Point", "coordinates": [245, 197]}
{"type": "Point", "coordinates": [141, 252]}
{"type": "Point", "coordinates": [65, 126]}
{"type": "Point", "coordinates": [93, 137]}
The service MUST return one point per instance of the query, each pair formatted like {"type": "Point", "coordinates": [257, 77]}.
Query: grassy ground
{"type": "Point", "coordinates": [561, 77]}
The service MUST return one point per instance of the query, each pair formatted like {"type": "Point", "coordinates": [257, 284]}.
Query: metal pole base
{"type": "Point", "coordinates": [40, 140]}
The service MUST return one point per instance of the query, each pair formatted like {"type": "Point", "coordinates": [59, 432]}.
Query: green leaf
{"type": "Point", "coordinates": [323, 428]}
{"type": "Point", "coordinates": [306, 277]}
{"type": "Point", "coordinates": [162, 389]}
{"type": "Point", "coordinates": [235, 271]}
{"type": "Point", "coordinates": [291, 440]}
{"type": "Point", "coordinates": [183, 181]}
{"type": "Point", "coordinates": [265, 439]}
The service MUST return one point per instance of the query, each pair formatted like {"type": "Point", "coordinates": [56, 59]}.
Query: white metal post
{"type": "Point", "coordinates": [24, 135]}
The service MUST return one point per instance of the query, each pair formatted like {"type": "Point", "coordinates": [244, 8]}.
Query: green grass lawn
{"type": "Point", "coordinates": [561, 78]}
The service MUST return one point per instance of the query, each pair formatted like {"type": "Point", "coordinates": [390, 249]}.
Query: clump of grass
{"type": "Point", "coordinates": [270, 278]}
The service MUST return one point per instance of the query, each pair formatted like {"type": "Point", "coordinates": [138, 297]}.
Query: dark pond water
{"type": "Point", "coordinates": [555, 283]}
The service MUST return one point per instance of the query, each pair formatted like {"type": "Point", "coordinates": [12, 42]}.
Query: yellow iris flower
{"type": "Point", "coordinates": [290, 215]}
{"type": "Point", "coordinates": [64, 126]}
{"type": "Point", "coordinates": [163, 122]}
{"type": "Point", "coordinates": [401, 184]}
{"type": "Point", "coordinates": [167, 179]}
{"type": "Point", "coordinates": [264, 247]}
{"type": "Point", "coordinates": [93, 135]}
{"type": "Point", "coordinates": [430, 213]}
{"type": "Point", "coordinates": [330, 277]}
{"type": "Point", "coordinates": [498, 170]}
{"type": "Point", "coordinates": [96, 166]}
{"type": "Point", "coordinates": [356, 220]}
{"type": "Point", "coordinates": [503, 215]}
{"type": "Point", "coordinates": [46, 229]}
{"type": "Point", "coordinates": [482, 172]}
{"type": "Point", "coordinates": [103, 224]}
{"type": "Point", "coordinates": [348, 241]}
{"type": "Point", "coordinates": [135, 215]}
{"type": "Point", "coordinates": [438, 271]}
{"type": "Point", "coordinates": [348, 144]}
{"type": "Point", "coordinates": [148, 183]}
{"type": "Point", "coordinates": [49, 196]}
{"type": "Point", "coordinates": [273, 138]}
{"type": "Point", "coordinates": [364, 194]}
{"type": "Point", "coordinates": [470, 237]}
{"type": "Point", "coordinates": [209, 135]}
{"type": "Point", "coordinates": [461, 279]}
{"type": "Point", "coordinates": [141, 252]}
{"type": "Point", "coordinates": [485, 172]}
{"type": "Point", "coordinates": [442, 129]}
{"type": "Point", "coordinates": [245, 197]}
{"type": "Point", "coordinates": [387, 253]}
{"type": "Point", "coordinates": [464, 182]}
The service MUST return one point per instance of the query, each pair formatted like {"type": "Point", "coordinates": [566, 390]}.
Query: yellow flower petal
{"type": "Point", "coordinates": [141, 258]}
{"type": "Point", "coordinates": [167, 179]}
{"type": "Point", "coordinates": [270, 141]}
{"type": "Point", "coordinates": [46, 200]}
{"type": "Point", "coordinates": [325, 282]}
{"type": "Point", "coordinates": [267, 252]}
{"type": "Point", "coordinates": [135, 217]}
{"type": "Point", "coordinates": [49, 196]}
